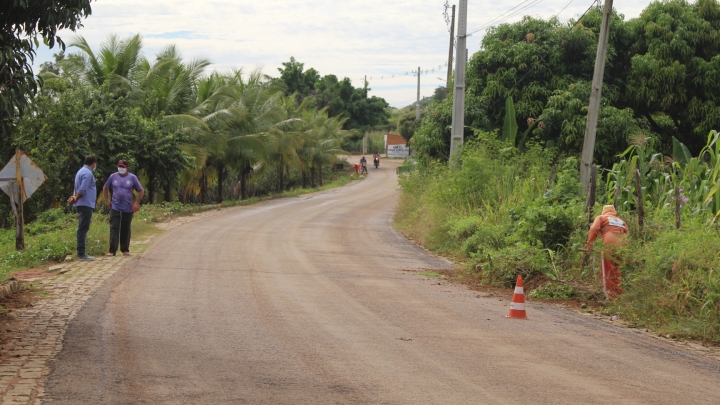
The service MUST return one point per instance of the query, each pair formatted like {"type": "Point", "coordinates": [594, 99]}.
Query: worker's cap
{"type": "Point", "coordinates": [123, 163]}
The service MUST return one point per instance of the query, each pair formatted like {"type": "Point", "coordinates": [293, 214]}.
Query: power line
{"type": "Point", "coordinates": [542, 59]}
{"type": "Point", "coordinates": [500, 19]}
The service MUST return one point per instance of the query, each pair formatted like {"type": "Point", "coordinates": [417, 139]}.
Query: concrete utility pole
{"type": "Point", "coordinates": [458, 115]}
{"type": "Point", "coordinates": [417, 108]}
{"type": "Point", "coordinates": [595, 93]}
{"type": "Point", "coordinates": [450, 56]}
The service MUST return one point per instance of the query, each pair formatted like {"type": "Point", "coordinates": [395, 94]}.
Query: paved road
{"type": "Point", "coordinates": [308, 301]}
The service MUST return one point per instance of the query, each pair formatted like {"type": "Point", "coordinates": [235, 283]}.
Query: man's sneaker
{"type": "Point", "coordinates": [86, 257]}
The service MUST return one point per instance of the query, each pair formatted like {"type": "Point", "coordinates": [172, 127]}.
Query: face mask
{"type": "Point", "coordinates": [122, 170]}
{"type": "Point", "coordinates": [94, 167]}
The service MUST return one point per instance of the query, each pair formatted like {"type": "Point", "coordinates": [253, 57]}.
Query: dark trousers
{"type": "Point", "coordinates": [84, 219]}
{"type": "Point", "coordinates": [120, 228]}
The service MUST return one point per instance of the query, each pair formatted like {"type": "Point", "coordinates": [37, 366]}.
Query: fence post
{"type": "Point", "coordinates": [640, 209]}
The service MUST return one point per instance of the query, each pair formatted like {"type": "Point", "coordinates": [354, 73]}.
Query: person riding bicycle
{"type": "Point", "coordinates": [363, 161]}
{"type": "Point", "coordinates": [363, 164]}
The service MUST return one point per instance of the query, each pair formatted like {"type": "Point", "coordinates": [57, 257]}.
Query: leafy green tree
{"type": "Point", "coordinates": [675, 69]}
{"type": "Point", "coordinates": [298, 80]}
{"type": "Point", "coordinates": [440, 93]}
{"type": "Point", "coordinates": [104, 124]}
{"type": "Point", "coordinates": [545, 66]}
{"type": "Point", "coordinates": [340, 97]}
{"type": "Point", "coordinates": [21, 22]}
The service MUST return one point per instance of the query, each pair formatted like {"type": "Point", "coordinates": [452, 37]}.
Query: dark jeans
{"type": "Point", "coordinates": [120, 227]}
{"type": "Point", "coordinates": [84, 218]}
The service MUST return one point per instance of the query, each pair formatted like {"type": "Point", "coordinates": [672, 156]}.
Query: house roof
{"type": "Point", "coordinates": [395, 139]}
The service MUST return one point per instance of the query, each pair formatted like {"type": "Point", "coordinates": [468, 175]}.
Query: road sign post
{"type": "Point", "coordinates": [19, 179]}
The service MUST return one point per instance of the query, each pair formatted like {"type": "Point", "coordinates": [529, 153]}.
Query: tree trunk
{"type": "Point", "coordinates": [168, 193]}
{"type": "Point", "coordinates": [151, 193]}
{"type": "Point", "coordinates": [221, 178]}
{"type": "Point", "coordinates": [203, 185]}
{"type": "Point", "coordinates": [320, 176]}
{"type": "Point", "coordinates": [243, 185]}
{"type": "Point", "coordinates": [244, 174]}
{"type": "Point", "coordinates": [312, 177]}
{"type": "Point", "coordinates": [282, 174]}
{"type": "Point", "coordinates": [304, 178]}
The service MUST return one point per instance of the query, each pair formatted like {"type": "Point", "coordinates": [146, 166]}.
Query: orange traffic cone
{"type": "Point", "coordinates": [517, 306]}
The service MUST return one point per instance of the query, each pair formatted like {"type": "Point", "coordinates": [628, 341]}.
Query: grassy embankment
{"type": "Point", "coordinates": [497, 217]}
{"type": "Point", "coordinates": [52, 236]}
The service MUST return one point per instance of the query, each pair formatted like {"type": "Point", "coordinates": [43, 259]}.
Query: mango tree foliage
{"type": "Point", "coordinates": [675, 70]}
{"type": "Point", "coordinates": [71, 119]}
{"type": "Point", "coordinates": [662, 79]}
{"type": "Point", "coordinates": [23, 25]}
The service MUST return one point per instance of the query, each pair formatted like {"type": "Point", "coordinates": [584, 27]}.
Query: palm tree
{"type": "Point", "coordinates": [116, 62]}
{"type": "Point", "coordinates": [327, 135]}
{"type": "Point", "coordinates": [230, 125]}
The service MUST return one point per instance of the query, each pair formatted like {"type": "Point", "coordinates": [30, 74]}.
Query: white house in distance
{"type": "Point", "coordinates": [396, 146]}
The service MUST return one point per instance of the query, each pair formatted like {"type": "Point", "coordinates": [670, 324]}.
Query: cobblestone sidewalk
{"type": "Point", "coordinates": [43, 326]}
{"type": "Point", "coordinates": [40, 329]}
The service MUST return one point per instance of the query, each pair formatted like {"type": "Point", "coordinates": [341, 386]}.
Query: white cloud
{"type": "Point", "coordinates": [349, 38]}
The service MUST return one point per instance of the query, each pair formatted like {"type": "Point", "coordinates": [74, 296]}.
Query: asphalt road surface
{"type": "Point", "coordinates": [309, 301]}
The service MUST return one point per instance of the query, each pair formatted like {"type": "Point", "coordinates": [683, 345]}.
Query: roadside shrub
{"type": "Point", "coordinates": [672, 284]}
{"type": "Point", "coordinates": [554, 292]}
{"type": "Point", "coordinates": [489, 236]}
{"type": "Point", "coordinates": [501, 267]}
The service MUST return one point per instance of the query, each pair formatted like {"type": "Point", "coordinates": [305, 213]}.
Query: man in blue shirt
{"type": "Point", "coordinates": [121, 185]}
{"type": "Point", "coordinates": [83, 199]}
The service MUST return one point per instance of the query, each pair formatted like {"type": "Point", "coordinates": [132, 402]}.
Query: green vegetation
{"type": "Point", "coordinates": [21, 24]}
{"type": "Point", "coordinates": [52, 236]}
{"type": "Point", "coordinates": [504, 213]}
{"type": "Point", "coordinates": [192, 136]}
{"type": "Point", "coordinates": [659, 79]}
{"type": "Point", "coordinates": [554, 292]}
{"type": "Point", "coordinates": [513, 205]}
{"type": "Point", "coordinates": [430, 273]}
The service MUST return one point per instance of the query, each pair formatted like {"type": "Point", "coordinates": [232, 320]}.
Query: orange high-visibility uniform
{"type": "Point", "coordinates": [612, 230]}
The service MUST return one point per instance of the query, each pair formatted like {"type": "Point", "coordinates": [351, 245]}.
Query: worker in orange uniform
{"type": "Point", "coordinates": [612, 230]}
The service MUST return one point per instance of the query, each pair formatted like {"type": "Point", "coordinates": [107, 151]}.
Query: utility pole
{"type": "Point", "coordinates": [450, 56]}
{"type": "Point", "coordinates": [417, 108]}
{"type": "Point", "coordinates": [458, 115]}
{"type": "Point", "coordinates": [595, 93]}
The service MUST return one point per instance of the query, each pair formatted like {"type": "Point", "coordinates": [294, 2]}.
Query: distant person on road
{"type": "Point", "coordinates": [83, 199]}
{"type": "Point", "coordinates": [363, 165]}
{"type": "Point", "coordinates": [612, 230]}
{"type": "Point", "coordinates": [121, 186]}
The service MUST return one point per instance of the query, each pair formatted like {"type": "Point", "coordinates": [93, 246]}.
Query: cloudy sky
{"type": "Point", "coordinates": [348, 38]}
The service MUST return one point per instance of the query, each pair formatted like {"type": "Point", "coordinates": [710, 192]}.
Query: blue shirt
{"type": "Point", "coordinates": [85, 188]}
{"type": "Point", "coordinates": [122, 188]}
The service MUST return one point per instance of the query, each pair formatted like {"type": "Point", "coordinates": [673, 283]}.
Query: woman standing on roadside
{"type": "Point", "coordinates": [121, 185]}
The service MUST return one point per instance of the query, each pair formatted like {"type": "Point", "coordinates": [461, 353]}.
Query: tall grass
{"type": "Point", "coordinates": [499, 217]}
